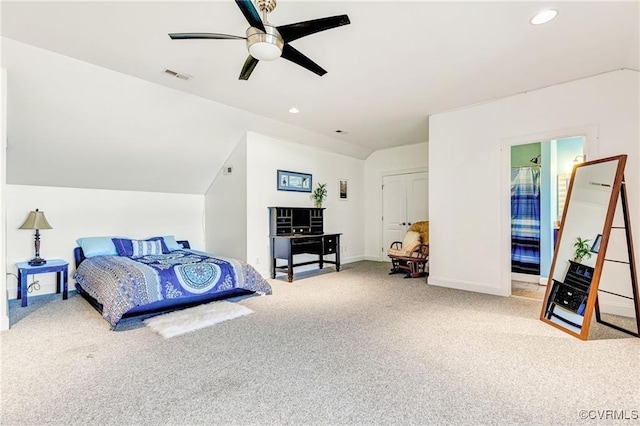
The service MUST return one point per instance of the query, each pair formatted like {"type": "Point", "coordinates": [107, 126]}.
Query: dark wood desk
{"type": "Point", "coordinates": [286, 246]}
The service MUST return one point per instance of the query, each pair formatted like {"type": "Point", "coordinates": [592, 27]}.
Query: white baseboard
{"type": "Point", "coordinates": [465, 285]}
{"type": "Point", "coordinates": [527, 278]}
{"type": "Point", "coordinates": [376, 258]}
{"type": "Point", "coordinates": [266, 274]}
{"type": "Point", "coordinates": [620, 309]}
{"type": "Point", "coordinates": [4, 323]}
{"type": "Point", "coordinates": [352, 259]}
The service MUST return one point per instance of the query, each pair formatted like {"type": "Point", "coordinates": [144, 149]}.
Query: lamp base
{"type": "Point", "coordinates": [37, 261]}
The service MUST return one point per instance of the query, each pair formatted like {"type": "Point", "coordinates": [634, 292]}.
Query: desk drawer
{"type": "Point", "coordinates": [306, 245]}
{"type": "Point", "coordinates": [330, 244]}
{"type": "Point", "coordinates": [569, 298]}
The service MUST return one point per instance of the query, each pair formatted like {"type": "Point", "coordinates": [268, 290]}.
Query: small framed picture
{"type": "Point", "coordinates": [596, 244]}
{"type": "Point", "coordinates": [294, 181]}
{"type": "Point", "coordinates": [343, 189]}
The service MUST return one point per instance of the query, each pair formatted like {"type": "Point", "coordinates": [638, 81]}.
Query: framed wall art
{"type": "Point", "coordinates": [294, 181]}
{"type": "Point", "coordinates": [343, 189]}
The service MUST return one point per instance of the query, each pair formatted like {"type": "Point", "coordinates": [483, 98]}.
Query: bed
{"type": "Point", "coordinates": [125, 278]}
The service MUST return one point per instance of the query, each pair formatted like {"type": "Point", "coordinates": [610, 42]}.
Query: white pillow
{"type": "Point", "coordinates": [144, 248]}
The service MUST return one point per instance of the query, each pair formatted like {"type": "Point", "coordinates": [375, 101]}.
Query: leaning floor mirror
{"type": "Point", "coordinates": [593, 267]}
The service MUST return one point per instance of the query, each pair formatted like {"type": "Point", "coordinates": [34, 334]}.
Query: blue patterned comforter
{"type": "Point", "coordinates": [122, 283]}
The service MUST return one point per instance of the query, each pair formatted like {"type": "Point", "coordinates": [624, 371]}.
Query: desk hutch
{"type": "Point", "coordinates": [300, 230]}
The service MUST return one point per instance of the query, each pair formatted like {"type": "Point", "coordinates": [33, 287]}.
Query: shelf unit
{"type": "Point", "coordinates": [296, 220]}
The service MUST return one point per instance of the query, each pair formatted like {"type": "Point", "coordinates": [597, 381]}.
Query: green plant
{"type": "Point", "coordinates": [319, 194]}
{"type": "Point", "coordinates": [583, 249]}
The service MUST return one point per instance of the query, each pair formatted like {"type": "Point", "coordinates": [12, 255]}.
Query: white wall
{"type": "Point", "coordinates": [386, 161]}
{"type": "Point", "coordinates": [69, 118]}
{"type": "Point", "coordinates": [75, 213]}
{"type": "Point", "coordinates": [4, 309]}
{"type": "Point", "coordinates": [469, 168]}
{"type": "Point", "coordinates": [226, 207]}
{"type": "Point", "coordinates": [265, 155]}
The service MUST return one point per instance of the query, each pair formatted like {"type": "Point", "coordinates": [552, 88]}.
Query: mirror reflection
{"type": "Point", "coordinates": [586, 224]}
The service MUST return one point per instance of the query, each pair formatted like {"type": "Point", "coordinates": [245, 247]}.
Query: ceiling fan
{"type": "Point", "coordinates": [267, 42]}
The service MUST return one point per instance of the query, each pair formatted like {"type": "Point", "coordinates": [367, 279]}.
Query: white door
{"type": "Point", "coordinates": [405, 200]}
{"type": "Point", "coordinates": [394, 210]}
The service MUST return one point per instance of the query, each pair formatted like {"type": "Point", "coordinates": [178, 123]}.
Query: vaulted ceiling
{"type": "Point", "coordinates": [392, 67]}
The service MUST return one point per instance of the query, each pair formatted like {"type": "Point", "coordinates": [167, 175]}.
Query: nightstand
{"type": "Point", "coordinates": [59, 266]}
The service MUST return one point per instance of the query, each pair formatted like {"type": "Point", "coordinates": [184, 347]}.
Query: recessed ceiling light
{"type": "Point", "coordinates": [294, 110]}
{"type": "Point", "coordinates": [544, 16]}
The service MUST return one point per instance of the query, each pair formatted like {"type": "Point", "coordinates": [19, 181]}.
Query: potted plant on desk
{"type": "Point", "coordinates": [583, 249]}
{"type": "Point", "coordinates": [319, 194]}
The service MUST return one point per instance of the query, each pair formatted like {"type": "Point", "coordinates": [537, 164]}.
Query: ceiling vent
{"type": "Point", "coordinates": [177, 74]}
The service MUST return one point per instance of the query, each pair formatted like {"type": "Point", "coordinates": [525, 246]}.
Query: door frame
{"type": "Point", "coordinates": [382, 255]}
{"type": "Point", "coordinates": [590, 148]}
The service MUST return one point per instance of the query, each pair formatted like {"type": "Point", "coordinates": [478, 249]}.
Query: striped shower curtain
{"type": "Point", "coordinates": [525, 220]}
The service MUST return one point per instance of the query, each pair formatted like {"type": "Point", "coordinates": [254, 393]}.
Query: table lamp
{"type": "Point", "coordinates": [37, 221]}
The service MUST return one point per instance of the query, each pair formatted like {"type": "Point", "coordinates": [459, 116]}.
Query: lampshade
{"type": "Point", "coordinates": [36, 220]}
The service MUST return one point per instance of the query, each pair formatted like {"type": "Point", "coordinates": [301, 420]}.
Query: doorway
{"type": "Point", "coordinates": [540, 174]}
{"type": "Point", "coordinates": [405, 200]}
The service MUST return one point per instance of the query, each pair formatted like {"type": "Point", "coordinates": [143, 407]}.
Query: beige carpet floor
{"type": "Point", "coordinates": [355, 347]}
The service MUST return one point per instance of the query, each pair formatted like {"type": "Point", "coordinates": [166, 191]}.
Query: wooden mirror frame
{"type": "Point", "coordinates": [617, 189]}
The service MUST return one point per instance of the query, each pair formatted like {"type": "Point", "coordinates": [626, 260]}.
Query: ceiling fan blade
{"type": "Point", "coordinates": [250, 12]}
{"type": "Point", "coordinates": [301, 29]}
{"type": "Point", "coordinates": [184, 36]}
{"type": "Point", "coordinates": [248, 67]}
{"type": "Point", "coordinates": [293, 55]}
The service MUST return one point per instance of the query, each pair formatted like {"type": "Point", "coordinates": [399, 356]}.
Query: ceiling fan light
{"type": "Point", "coordinates": [264, 51]}
{"type": "Point", "coordinates": [264, 46]}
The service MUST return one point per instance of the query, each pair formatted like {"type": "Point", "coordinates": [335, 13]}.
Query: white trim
{"type": "Point", "coordinates": [382, 255]}
{"type": "Point", "coordinates": [591, 149]}
{"type": "Point", "coordinates": [559, 83]}
{"type": "Point", "coordinates": [402, 172]}
{"type": "Point", "coordinates": [527, 278]}
{"type": "Point", "coordinates": [4, 296]}
{"type": "Point", "coordinates": [476, 287]}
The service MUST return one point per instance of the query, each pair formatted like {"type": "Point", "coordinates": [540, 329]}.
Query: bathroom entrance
{"type": "Point", "coordinates": [540, 174]}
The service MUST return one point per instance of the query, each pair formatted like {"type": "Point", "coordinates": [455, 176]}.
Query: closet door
{"type": "Point", "coordinates": [405, 199]}
{"type": "Point", "coordinates": [394, 210]}
{"type": "Point", "coordinates": [417, 197]}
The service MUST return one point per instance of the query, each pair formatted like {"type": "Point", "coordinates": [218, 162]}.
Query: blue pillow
{"type": "Point", "coordinates": [136, 248]}
{"type": "Point", "coordinates": [171, 243]}
{"type": "Point", "coordinates": [97, 246]}
{"type": "Point", "coordinates": [123, 246]}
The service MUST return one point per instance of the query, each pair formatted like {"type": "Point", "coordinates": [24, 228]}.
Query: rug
{"type": "Point", "coordinates": [192, 319]}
